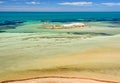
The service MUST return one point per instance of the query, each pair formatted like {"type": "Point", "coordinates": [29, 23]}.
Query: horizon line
{"type": "Point", "coordinates": [59, 11]}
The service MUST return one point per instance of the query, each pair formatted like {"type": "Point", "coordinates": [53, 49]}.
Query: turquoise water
{"type": "Point", "coordinates": [59, 16]}
{"type": "Point", "coordinates": [10, 20]}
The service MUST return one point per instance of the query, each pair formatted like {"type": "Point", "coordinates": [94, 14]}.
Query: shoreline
{"type": "Point", "coordinates": [58, 77]}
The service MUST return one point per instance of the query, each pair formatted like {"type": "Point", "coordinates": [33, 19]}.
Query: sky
{"type": "Point", "coordinates": [60, 5]}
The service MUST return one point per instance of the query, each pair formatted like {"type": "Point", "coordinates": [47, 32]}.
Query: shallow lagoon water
{"type": "Point", "coordinates": [29, 50]}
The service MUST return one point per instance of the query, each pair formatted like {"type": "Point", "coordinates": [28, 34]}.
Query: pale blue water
{"type": "Point", "coordinates": [15, 18]}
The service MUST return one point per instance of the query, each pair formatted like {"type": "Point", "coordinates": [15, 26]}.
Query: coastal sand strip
{"type": "Point", "coordinates": [57, 79]}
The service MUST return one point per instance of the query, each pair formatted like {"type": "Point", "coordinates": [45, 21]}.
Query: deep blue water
{"type": "Point", "coordinates": [59, 16]}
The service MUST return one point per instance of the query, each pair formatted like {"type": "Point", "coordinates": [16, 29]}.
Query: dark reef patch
{"type": "Point", "coordinates": [10, 23]}
{"type": "Point", "coordinates": [1, 31]}
{"type": "Point", "coordinates": [89, 33]}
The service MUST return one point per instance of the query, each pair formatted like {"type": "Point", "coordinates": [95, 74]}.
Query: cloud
{"type": "Point", "coordinates": [29, 9]}
{"type": "Point", "coordinates": [111, 4]}
{"type": "Point", "coordinates": [33, 3]}
{"type": "Point", "coordinates": [76, 3]}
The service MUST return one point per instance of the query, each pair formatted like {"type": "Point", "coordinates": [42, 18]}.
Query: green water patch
{"type": "Point", "coordinates": [108, 24]}
{"type": "Point", "coordinates": [34, 27]}
{"type": "Point", "coordinates": [98, 28]}
{"type": "Point", "coordinates": [5, 27]}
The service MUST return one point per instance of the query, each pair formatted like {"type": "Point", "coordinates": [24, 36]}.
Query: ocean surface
{"type": "Point", "coordinates": [12, 19]}
{"type": "Point", "coordinates": [59, 16]}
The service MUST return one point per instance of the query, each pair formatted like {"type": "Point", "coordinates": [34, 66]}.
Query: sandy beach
{"type": "Point", "coordinates": [92, 53]}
